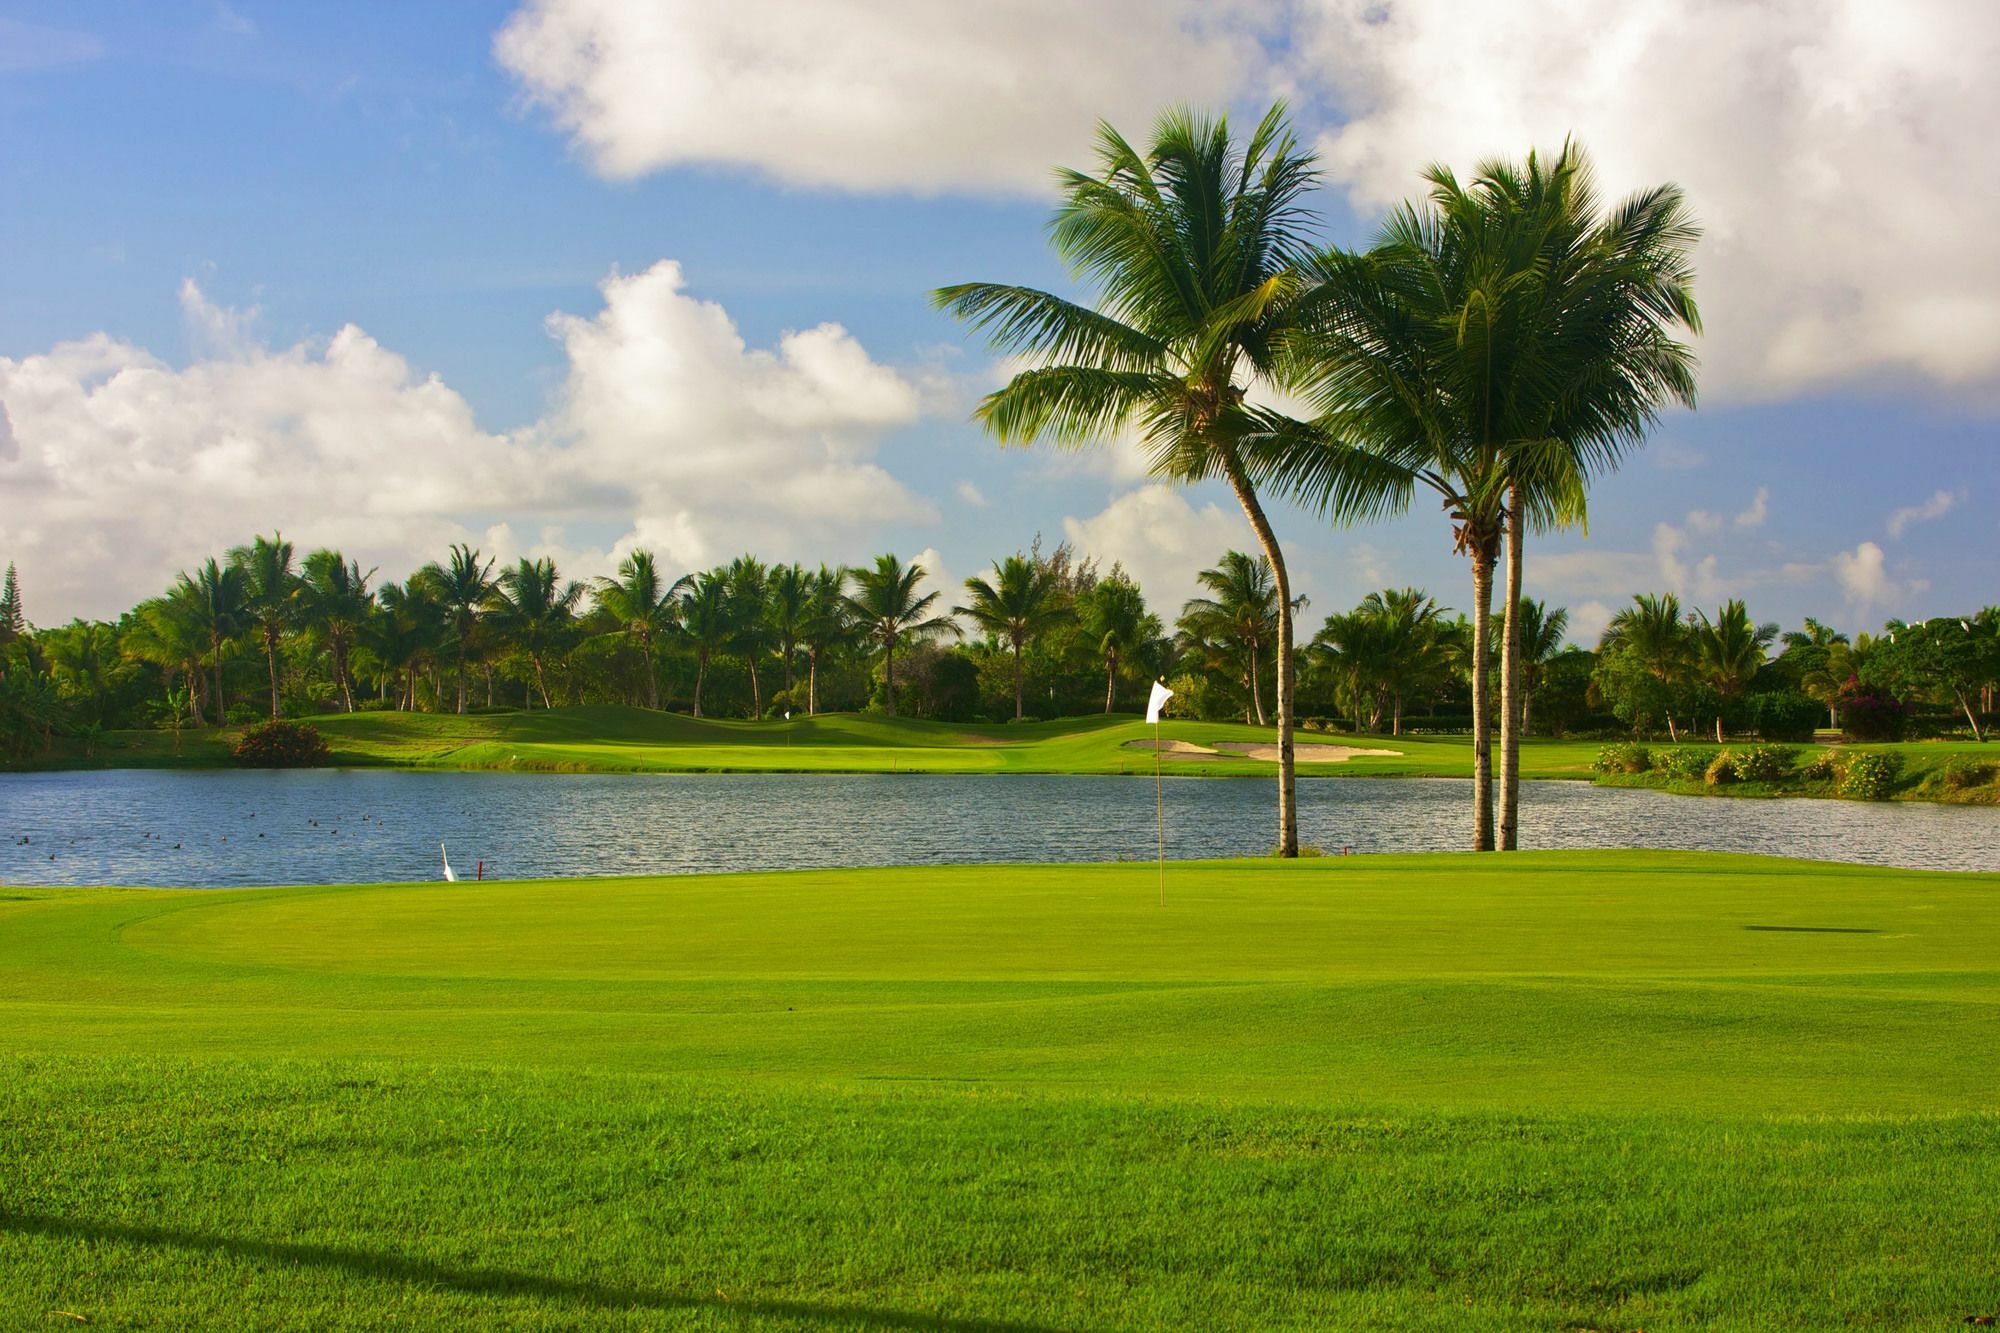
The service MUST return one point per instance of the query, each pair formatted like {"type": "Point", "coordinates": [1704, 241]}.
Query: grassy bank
{"type": "Point", "coordinates": [1595, 1090]}
{"type": "Point", "coordinates": [1944, 772]}
{"type": "Point", "coordinates": [613, 739]}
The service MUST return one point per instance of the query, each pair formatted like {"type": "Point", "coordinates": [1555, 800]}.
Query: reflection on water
{"type": "Point", "coordinates": [322, 827]}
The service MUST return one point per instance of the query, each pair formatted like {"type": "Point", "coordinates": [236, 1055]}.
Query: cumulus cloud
{"type": "Point", "coordinates": [1161, 540]}
{"type": "Point", "coordinates": [1941, 503]}
{"type": "Point", "coordinates": [972, 495]}
{"type": "Point", "coordinates": [1813, 137]}
{"type": "Point", "coordinates": [669, 432]}
{"type": "Point", "coordinates": [1864, 577]}
{"type": "Point", "coordinates": [1760, 509]}
{"type": "Point", "coordinates": [870, 94]}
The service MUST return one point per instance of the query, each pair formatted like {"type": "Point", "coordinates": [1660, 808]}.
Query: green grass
{"type": "Point", "coordinates": [613, 739]}
{"type": "Point", "coordinates": [1560, 1091]}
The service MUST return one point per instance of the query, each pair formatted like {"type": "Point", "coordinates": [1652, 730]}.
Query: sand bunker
{"type": "Point", "coordinates": [1304, 754]}
{"type": "Point", "coordinates": [1170, 747]}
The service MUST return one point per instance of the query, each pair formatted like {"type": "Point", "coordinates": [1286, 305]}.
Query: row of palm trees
{"type": "Point", "coordinates": [1500, 345]}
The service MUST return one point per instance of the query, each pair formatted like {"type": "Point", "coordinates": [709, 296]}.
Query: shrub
{"type": "Point", "coordinates": [1962, 772]}
{"type": "Point", "coordinates": [1784, 715]}
{"type": "Point", "coordinates": [1823, 767]}
{"type": "Point", "coordinates": [1870, 714]}
{"type": "Point", "coordinates": [282, 745]}
{"type": "Point", "coordinates": [1763, 763]}
{"type": "Point", "coordinates": [1684, 763]}
{"type": "Point", "coordinates": [1626, 757]}
{"type": "Point", "coordinates": [1869, 776]}
{"type": "Point", "coordinates": [1721, 770]}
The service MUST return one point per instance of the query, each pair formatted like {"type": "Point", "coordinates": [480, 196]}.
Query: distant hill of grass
{"type": "Point", "coordinates": [1583, 1091]}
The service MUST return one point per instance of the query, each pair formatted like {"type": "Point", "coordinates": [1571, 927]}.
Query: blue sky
{"type": "Point", "coordinates": [206, 195]}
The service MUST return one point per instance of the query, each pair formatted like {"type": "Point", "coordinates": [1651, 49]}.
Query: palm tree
{"type": "Point", "coordinates": [271, 595]}
{"type": "Point", "coordinates": [639, 600]}
{"type": "Point", "coordinates": [825, 624]}
{"type": "Point", "coordinates": [1728, 650]}
{"type": "Point", "coordinates": [1653, 630]}
{"type": "Point", "coordinates": [1242, 613]}
{"type": "Point", "coordinates": [703, 614]}
{"type": "Point", "coordinates": [1542, 635]}
{"type": "Point", "coordinates": [464, 586]}
{"type": "Point", "coordinates": [1019, 605]}
{"type": "Point", "coordinates": [408, 635]}
{"type": "Point", "coordinates": [337, 603]}
{"type": "Point", "coordinates": [166, 632]}
{"type": "Point", "coordinates": [532, 606]}
{"type": "Point", "coordinates": [1115, 618]}
{"type": "Point", "coordinates": [886, 605]}
{"type": "Point", "coordinates": [215, 596]}
{"type": "Point", "coordinates": [787, 603]}
{"type": "Point", "coordinates": [750, 634]}
{"type": "Point", "coordinates": [1824, 661]}
{"type": "Point", "coordinates": [1500, 345]}
{"type": "Point", "coordinates": [1191, 246]}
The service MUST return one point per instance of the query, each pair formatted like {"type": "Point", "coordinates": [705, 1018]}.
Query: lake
{"type": "Point", "coordinates": [356, 826]}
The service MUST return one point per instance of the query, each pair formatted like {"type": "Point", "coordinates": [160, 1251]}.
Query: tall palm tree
{"type": "Point", "coordinates": [1500, 345]}
{"type": "Point", "coordinates": [215, 592]}
{"type": "Point", "coordinates": [1242, 611]}
{"type": "Point", "coordinates": [1019, 605]}
{"type": "Point", "coordinates": [271, 595]}
{"type": "Point", "coordinates": [1542, 634]}
{"type": "Point", "coordinates": [642, 603]}
{"type": "Point", "coordinates": [166, 632]}
{"type": "Point", "coordinates": [533, 606]}
{"type": "Point", "coordinates": [1408, 623]}
{"type": "Point", "coordinates": [750, 633]}
{"type": "Point", "coordinates": [787, 602]}
{"type": "Point", "coordinates": [703, 615]}
{"type": "Point", "coordinates": [1824, 662]}
{"type": "Point", "coordinates": [463, 585]}
{"type": "Point", "coordinates": [336, 604]}
{"type": "Point", "coordinates": [1191, 247]}
{"type": "Point", "coordinates": [1653, 630]}
{"type": "Point", "coordinates": [1116, 620]}
{"type": "Point", "coordinates": [408, 636]}
{"type": "Point", "coordinates": [1728, 650]}
{"type": "Point", "coordinates": [825, 625]}
{"type": "Point", "coordinates": [886, 604]}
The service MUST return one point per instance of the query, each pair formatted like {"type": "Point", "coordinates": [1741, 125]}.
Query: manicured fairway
{"type": "Point", "coordinates": [1563, 1091]}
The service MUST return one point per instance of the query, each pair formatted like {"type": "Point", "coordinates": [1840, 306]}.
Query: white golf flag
{"type": "Point", "coordinates": [788, 715]}
{"type": "Point", "coordinates": [1159, 700]}
{"type": "Point", "coordinates": [450, 875]}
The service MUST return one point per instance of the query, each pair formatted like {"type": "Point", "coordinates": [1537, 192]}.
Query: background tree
{"type": "Point", "coordinates": [1190, 247]}
{"type": "Point", "coordinates": [464, 586]}
{"type": "Point", "coordinates": [827, 624]}
{"type": "Point", "coordinates": [886, 606]}
{"type": "Point", "coordinates": [1542, 631]}
{"type": "Point", "coordinates": [1018, 606]}
{"type": "Point", "coordinates": [750, 635]}
{"type": "Point", "coordinates": [13, 620]}
{"type": "Point", "coordinates": [166, 633]}
{"type": "Point", "coordinates": [642, 603]}
{"type": "Point", "coordinates": [336, 604]}
{"type": "Point", "coordinates": [702, 611]}
{"type": "Point", "coordinates": [1241, 614]}
{"type": "Point", "coordinates": [215, 596]}
{"type": "Point", "coordinates": [533, 607]}
{"type": "Point", "coordinates": [1116, 622]}
{"type": "Point", "coordinates": [270, 596]}
{"type": "Point", "coordinates": [786, 605]}
{"type": "Point", "coordinates": [1727, 652]}
{"type": "Point", "coordinates": [1653, 636]}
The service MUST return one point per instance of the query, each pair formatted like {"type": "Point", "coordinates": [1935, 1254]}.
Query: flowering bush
{"type": "Point", "coordinates": [282, 745]}
{"type": "Point", "coordinates": [1721, 770]}
{"type": "Point", "coordinates": [1869, 777]}
{"type": "Point", "coordinates": [1684, 763]}
{"type": "Point", "coordinates": [1625, 757]}
{"type": "Point", "coordinates": [1870, 714]}
{"type": "Point", "coordinates": [1763, 763]}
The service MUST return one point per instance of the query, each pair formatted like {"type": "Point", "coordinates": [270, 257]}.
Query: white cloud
{"type": "Point", "coordinates": [1812, 137]}
{"type": "Point", "coordinates": [32, 46]}
{"type": "Point", "coordinates": [1588, 621]}
{"type": "Point", "coordinates": [867, 94]}
{"type": "Point", "coordinates": [971, 494]}
{"type": "Point", "coordinates": [938, 578]}
{"type": "Point", "coordinates": [1941, 503]}
{"type": "Point", "coordinates": [1161, 540]}
{"type": "Point", "coordinates": [1672, 456]}
{"type": "Point", "coordinates": [669, 431]}
{"type": "Point", "coordinates": [1700, 520]}
{"type": "Point", "coordinates": [1760, 509]}
{"type": "Point", "coordinates": [1864, 577]}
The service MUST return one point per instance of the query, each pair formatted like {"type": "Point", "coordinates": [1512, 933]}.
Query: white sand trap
{"type": "Point", "coordinates": [1305, 754]}
{"type": "Point", "coordinates": [1169, 747]}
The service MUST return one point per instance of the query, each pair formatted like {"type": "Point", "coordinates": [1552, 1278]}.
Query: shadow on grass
{"type": "Point", "coordinates": [491, 1281]}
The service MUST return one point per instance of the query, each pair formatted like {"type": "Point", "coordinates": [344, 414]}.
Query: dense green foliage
{"type": "Point", "coordinates": [1380, 1092]}
{"type": "Point", "coordinates": [282, 744]}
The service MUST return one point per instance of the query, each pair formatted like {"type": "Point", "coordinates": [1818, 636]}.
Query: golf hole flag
{"type": "Point", "coordinates": [1159, 700]}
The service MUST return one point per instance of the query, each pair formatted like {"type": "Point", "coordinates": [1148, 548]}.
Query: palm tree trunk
{"type": "Point", "coordinates": [1965, 702]}
{"type": "Point", "coordinates": [1110, 679]}
{"type": "Point", "coordinates": [461, 672]}
{"type": "Point", "coordinates": [700, 674]}
{"type": "Point", "coordinates": [756, 690]}
{"type": "Point", "coordinates": [791, 675]}
{"type": "Point", "coordinates": [1017, 680]}
{"type": "Point", "coordinates": [221, 708]}
{"type": "Point", "coordinates": [1288, 815]}
{"type": "Point", "coordinates": [1256, 688]}
{"type": "Point", "coordinates": [1718, 728]}
{"type": "Point", "coordinates": [271, 660]}
{"type": "Point", "coordinates": [652, 672]}
{"type": "Point", "coordinates": [541, 681]}
{"type": "Point", "coordinates": [1510, 679]}
{"type": "Point", "coordinates": [812, 681]}
{"type": "Point", "coordinates": [889, 674]}
{"type": "Point", "coordinates": [1483, 560]}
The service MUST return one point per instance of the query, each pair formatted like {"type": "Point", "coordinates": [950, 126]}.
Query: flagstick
{"type": "Point", "coordinates": [1160, 810]}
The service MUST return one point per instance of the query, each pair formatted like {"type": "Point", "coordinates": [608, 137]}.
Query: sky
{"type": "Point", "coordinates": [578, 277]}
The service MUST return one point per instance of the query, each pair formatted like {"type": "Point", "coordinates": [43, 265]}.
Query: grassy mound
{"type": "Point", "coordinates": [1586, 1090]}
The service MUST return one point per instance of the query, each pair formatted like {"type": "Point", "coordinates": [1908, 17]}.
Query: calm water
{"type": "Point", "coordinates": [341, 827]}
